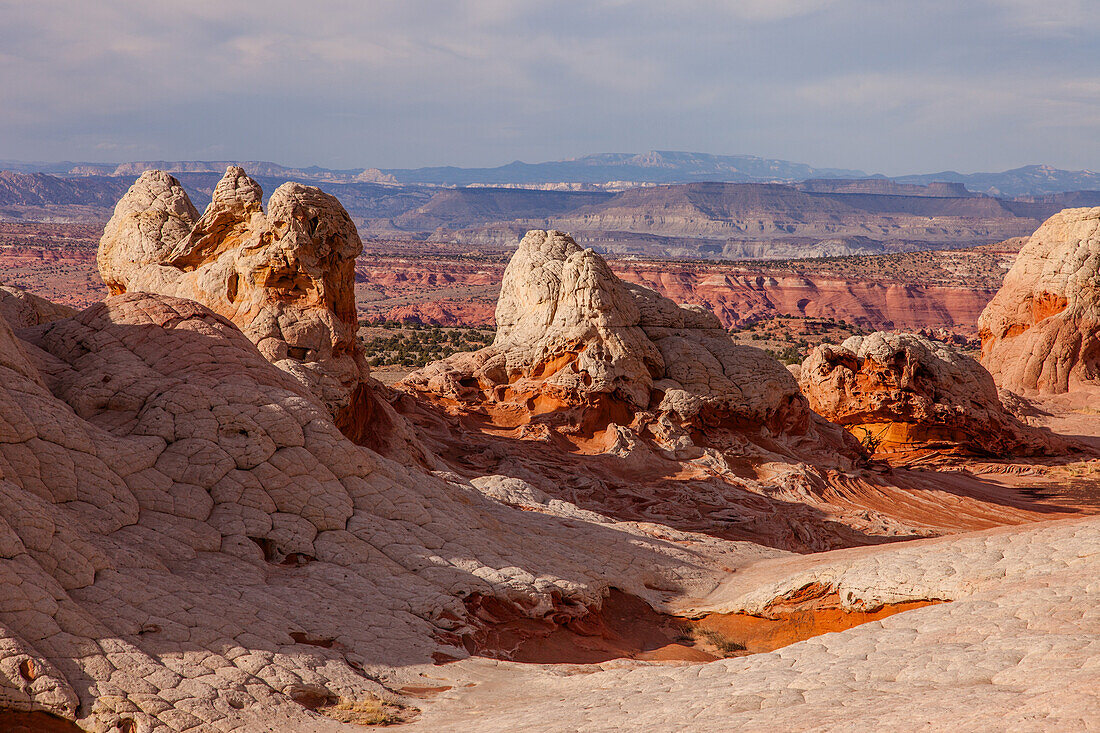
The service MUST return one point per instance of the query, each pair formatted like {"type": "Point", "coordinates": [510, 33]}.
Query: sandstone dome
{"type": "Point", "coordinates": [285, 277]}
{"type": "Point", "coordinates": [576, 344]}
{"type": "Point", "coordinates": [902, 393]}
{"type": "Point", "coordinates": [188, 543]}
{"type": "Point", "coordinates": [1041, 331]}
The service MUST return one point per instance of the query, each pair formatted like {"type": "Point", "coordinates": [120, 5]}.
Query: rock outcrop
{"type": "Point", "coordinates": [188, 543]}
{"type": "Point", "coordinates": [901, 393]}
{"type": "Point", "coordinates": [1041, 332]}
{"type": "Point", "coordinates": [21, 308]}
{"type": "Point", "coordinates": [582, 351]}
{"type": "Point", "coordinates": [286, 278]}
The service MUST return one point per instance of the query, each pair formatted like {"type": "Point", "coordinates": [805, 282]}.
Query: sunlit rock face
{"type": "Point", "coordinates": [1041, 332]}
{"type": "Point", "coordinates": [284, 277]}
{"type": "Point", "coordinates": [188, 543]}
{"type": "Point", "coordinates": [578, 347]}
{"type": "Point", "coordinates": [902, 393]}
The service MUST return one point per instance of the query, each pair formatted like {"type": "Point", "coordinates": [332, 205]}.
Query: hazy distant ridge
{"type": "Point", "coordinates": [654, 167]}
{"type": "Point", "coordinates": [659, 166]}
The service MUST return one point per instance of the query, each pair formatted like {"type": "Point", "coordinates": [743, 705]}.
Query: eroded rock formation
{"type": "Point", "coordinates": [1041, 332]}
{"type": "Point", "coordinates": [901, 393]}
{"type": "Point", "coordinates": [286, 278]}
{"type": "Point", "coordinates": [188, 543]}
{"type": "Point", "coordinates": [585, 353]}
{"type": "Point", "coordinates": [21, 308]}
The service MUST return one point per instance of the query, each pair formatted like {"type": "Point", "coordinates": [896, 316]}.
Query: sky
{"type": "Point", "coordinates": [890, 87]}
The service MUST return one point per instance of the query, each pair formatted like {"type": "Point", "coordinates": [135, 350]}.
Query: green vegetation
{"type": "Point", "coordinates": [391, 343]}
{"type": "Point", "coordinates": [726, 646]}
{"type": "Point", "coordinates": [871, 441]}
{"type": "Point", "coordinates": [790, 338]}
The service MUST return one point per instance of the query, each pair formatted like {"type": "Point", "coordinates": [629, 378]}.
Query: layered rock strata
{"type": "Point", "coordinates": [1041, 331]}
{"type": "Point", "coordinates": [901, 393]}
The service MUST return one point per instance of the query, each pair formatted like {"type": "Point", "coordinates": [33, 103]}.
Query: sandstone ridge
{"type": "Point", "coordinates": [188, 543]}
{"type": "Point", "coordinates": [1041, 331]}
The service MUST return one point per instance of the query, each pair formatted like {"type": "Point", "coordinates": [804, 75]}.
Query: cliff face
{"type": "Point", "coordinates": [1041, 332]}
{"type": "Point", "coordinates": [905, 395]}
{"type": "Point", "coordinates": [908, 292]}
{"type": "Point", "coordinates": [757, 220]}
{"type": "Point", "coordinates": [739, 299]}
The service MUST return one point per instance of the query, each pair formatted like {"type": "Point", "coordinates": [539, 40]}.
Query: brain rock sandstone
{"type": "Point", "coordinates": [1041, 332]}
{"type": "Point", "coordinates": [285, 277]}
{"type": "Point", "coordinates": [187, 542]}
{"type": "Point", "coordinates": [901, 392]}
{"type": "Point", "coordinates": [21, 308]}
{"type": "Point", "coordinates": [581, 349]}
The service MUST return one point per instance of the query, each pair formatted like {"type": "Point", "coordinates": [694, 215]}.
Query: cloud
{"type": "Point", "coordinates": [414, 82]}
{"type": "Point", "coordinates": [1057, 18]}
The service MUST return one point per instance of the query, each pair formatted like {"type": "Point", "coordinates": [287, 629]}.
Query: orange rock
{"type": "Point", "coordinates": [1041, 332]}
{"type": "Point", "coordinates": [589, 354]}
{"type": "Point", "coordinates": [900, 393]}
{"type": "Point", "coordinates": [286, 278]}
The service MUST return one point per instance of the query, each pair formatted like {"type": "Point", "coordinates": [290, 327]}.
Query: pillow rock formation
{"type": "Point", "coordinates": [187, 542]}
{"type": "Point", "coordinates": [286, 277]}
{"type": "Point", "coordinates": [20, 308]}
{"type": "Point", "coordinates": [581, 351]}
{"type": "Point", "coordinates": [1041, 331]}
{"type": "Point", "coordinates": [901, 393]}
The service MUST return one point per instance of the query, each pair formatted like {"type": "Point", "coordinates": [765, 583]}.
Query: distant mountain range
{"type": "Point", "coordinates": [814, 218]}
{"type": "Point", "coordinates": [659, 166]}
{"type": "Point", "coordinates": [822, 213]}
{"type": "Point", "coordinates": [1029, 180]}
{"type": "Point", "coordinates": [602, 171]}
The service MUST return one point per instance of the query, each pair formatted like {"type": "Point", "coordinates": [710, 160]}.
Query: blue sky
{"type": "Point", "coordinates": [891, 87]}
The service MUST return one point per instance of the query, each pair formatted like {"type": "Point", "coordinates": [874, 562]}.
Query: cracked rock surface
{"type": "Point", "coordinates": [1014, 648]}
{"type": "Point", "coordinates": [284, 277]}
{"type": "Point", "coordinates": [174, 508]}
